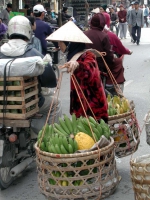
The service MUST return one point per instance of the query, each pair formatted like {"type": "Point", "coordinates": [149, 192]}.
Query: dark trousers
{"type": "Point", "coordinates": [116, 26]}
{"type": "Point", "coordinates": [145, 20]}
{"type": "Point", "coordinates": [136, 33]}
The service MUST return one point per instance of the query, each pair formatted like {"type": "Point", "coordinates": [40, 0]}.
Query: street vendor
{"type": "Point", "coordinates": [82, 64]}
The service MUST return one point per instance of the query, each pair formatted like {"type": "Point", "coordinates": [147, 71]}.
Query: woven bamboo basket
{"type": "Point", "coordinates": [140, 176]}
{"type": "Point", "coordinates": [98, 177]}
{"type": "Point", "coordinates": [124, 130]}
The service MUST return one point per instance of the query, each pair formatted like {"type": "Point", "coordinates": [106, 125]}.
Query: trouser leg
{"type": "Point", "coordinates": [117, 29]}
{"type": "Point", "coordinates": [111, 27]}
{"type": "Point", "coordinates": [138, 34]}
{"type": "Point", "coordinates": [56, 112]}
{"type": "Point", "coordinates": [125, 30]}
{"type": "Point", "coordinates": [111, 89]}
{"type": "Point", "coordinates": [121, 30]}
{"type": "Point", "coordinates": [145, 20]}
{"type": "Point", "coordinates": [130, 31]}
{"type": "Point", "coordinates": [133, 33]}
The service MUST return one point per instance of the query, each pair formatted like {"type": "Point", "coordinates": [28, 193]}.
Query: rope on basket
{"type": "Point", "coordinates": [119, 91]}
{"type": "Point", "coordinates": [43, 131]}
{"type": "Point", "coordinates": [73, 80]}
{"type": "Point", "coordinates": [116, 86]}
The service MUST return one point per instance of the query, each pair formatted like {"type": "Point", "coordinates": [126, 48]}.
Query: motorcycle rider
{"type": "Point", "coordinates": [20, 32]}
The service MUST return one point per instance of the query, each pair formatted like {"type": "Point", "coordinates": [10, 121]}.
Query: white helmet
{"type": "Point", "coordinates": [21, 26]}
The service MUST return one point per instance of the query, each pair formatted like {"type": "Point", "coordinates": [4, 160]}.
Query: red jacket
{"type": "Point", "coordinates": [122, 15]}
{"type": "Point", "coordinates": [116, 44]}
{"type": "Point", "coordinates": [88, 77]}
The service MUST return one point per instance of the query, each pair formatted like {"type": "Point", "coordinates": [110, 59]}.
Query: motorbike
{"type": "Point", "coordinates": [17, 140]}
{"type": "Point", "coordinates": [16, 148]}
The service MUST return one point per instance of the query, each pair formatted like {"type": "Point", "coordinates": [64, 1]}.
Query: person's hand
{"type": "Point", "coordinates": [71, 66]}
{"type": "Point", "coordinates": [130, 52]}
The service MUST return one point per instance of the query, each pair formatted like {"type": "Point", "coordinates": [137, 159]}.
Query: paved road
{"type": "Point", "coordinates": [137, 73]}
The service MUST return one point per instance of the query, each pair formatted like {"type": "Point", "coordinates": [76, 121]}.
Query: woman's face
{"type": "Point", "coordinates": [101, 10]}
{"type": "Point", "coordinates": [62, 46]}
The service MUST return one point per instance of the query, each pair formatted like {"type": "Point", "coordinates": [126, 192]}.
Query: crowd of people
{"type": "Point", "coordinates": [27, 37]}
{"type": "Point", "coordinates": [121, 19]}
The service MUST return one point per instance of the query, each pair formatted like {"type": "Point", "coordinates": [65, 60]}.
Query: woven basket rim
{"type": "Point", "coordinates": [75, 154]}
{"type": "Point", "coordinates": [120, 115]}
{"type": "Point", "coordinates": [134, 161]}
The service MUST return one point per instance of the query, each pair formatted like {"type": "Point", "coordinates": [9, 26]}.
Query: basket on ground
{"type": "Point", "coordinates": [21, 95]}
{"type": "Point", "coordinates": [124, 130]}
{"type": "Point", "coordinates": [140, 176]}
{"type": "Point", "coordinates": [77, 176]}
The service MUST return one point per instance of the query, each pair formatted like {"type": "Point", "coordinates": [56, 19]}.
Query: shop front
{"type": "Point", "coordinates": [79, 5]}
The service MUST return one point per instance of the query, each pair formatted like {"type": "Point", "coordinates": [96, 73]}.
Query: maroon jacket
{"type": "Point", "coordinates": [88, 77]}
{"type": "Point", "coordinates": [100, 43]}
{"type": "Point", "coordinates": [116, 44]}
{"type": "Point", "coordinates": [122, 14]}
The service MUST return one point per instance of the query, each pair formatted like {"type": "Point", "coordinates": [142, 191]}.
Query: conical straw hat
{"type": "Point", "coordinates": [96, 10]}
{"type": "Point", "coordinates": [70, 33]}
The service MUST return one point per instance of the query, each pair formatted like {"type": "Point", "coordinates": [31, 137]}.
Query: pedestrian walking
{"type": "Point", "coordinates": [122, 15]}
{"type": "Point", "coordinates": [113, 20]}
{"type": "Point", "coordinates": [4, 15]}
{"type": "Point", "coordinates": [36, 43]}
{"type": "Point", "coordinates": [42, 28]}
{"type": "Point", "coordinates": [128, 16]}
{"type": "Point", "coordinates": [136, 20]}
{"type": "Point", "coordinates": [100, 40]}
{"type": "Point", "coordinates": [103, 10]}
{"type": "Point", "coordinates": [146, 14]}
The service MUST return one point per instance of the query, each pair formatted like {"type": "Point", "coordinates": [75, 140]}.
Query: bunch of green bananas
{"type": "Point", "coordinates": [66, 127]}
{"type": "Point", "coordinates": [61, 145]}
{"type": "Point", "coordinates": [59, 138]}
{"type": "Point", "coordinates": [85, 125]}
{"type": "Point", "coordinates": [49, 131]}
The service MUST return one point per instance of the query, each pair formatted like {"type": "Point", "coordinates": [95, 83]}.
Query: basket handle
{"type": "Point", "coordinates": [116, 86]}
{"type": "Point", "coordinates": [56, 94]}
{"type": "Point", "coordinates": [74, 80]}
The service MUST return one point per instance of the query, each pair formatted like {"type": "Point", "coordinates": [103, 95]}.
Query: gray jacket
{"type": "Point", "coordinates": [136, 18]}
{"type": "Point", "coordinates": [128, 15]}
{"type": "Point", "coordinates": [4, 15]}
